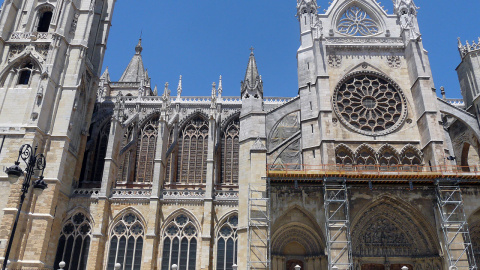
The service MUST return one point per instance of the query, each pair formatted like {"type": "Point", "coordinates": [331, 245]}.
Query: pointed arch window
{"type": "Point", "coordinates": [344, 155]}
{"type": "Point", "coordinates": [74, 242]}
{"type": "Point", "coordinates": [126, 243]}
{"type": "Point", "coordinates": [388, 157]}
{"type": "Point", "coordinates": [147, 144]}
{"type": "Point", "coordinates": [366, 157]}
{"type": "Point", "coordinates": [25, 73]}
{"type": "Point", "coordinates": [230, 152]}
{"type": "Point", "coordinates": [227, 244]}
{"type": "Point", "coordinates": [192, 158]}
{"type": "Point", "coordinates": [412, 158]}
{"type": "Point", "coordinates": [180, 244]}
{"type": "Point", "coordinates": [44, 19]}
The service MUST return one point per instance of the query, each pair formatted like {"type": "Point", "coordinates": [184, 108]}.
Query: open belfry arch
{"type": "Point", "coordinates": [361, 168]}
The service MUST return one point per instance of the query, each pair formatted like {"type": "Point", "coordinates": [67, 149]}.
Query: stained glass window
{"type": "Point", "coordinates": [74, 243]}
{"type": "Point", "coordinates": [180, 244]}
{"type": "Point", "coordinates": [227, 244]}
{"type": "Point", "coordinates": [126, 243]}
{"type": "Point", "coordinates": [230, 148]}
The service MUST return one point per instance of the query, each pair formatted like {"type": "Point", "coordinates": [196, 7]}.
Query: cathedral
{"type": "Point", "coordinates": [363, 167]}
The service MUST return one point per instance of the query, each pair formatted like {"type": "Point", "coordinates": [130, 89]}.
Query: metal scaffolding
{"type": "Point", "coordinates": [458, 244]}
{"type": "Point", "coordinates": [337, 226]}
{"type": "Point", "coordinates": [258, 227]}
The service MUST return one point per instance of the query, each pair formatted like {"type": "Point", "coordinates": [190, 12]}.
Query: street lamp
{"type": "Point", "coordinates": [298, 267]}
{"type": "Point", "coordinates": [174, 267]}
{"type": "Point", "coordinates": [35, 162]}
{"type": "Point", "coordinates": [117, 266]}
{"type": "Point", "coordinates": [234, 267]}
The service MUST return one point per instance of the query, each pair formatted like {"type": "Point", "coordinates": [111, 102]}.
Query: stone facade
{"type": "Point", "coordinates": [149, 179]}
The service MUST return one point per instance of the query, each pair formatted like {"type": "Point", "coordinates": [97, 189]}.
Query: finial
{"type": "Point", "coordinates": [442, 91]}
{"type": "Point", "coordinates": [251, 50]}
{"type": "Point", "coordinates": [179, 88]}
{"type": "Point", "coordinates": [138, 48]}
{"type": "Point", "coordinates": [220, 86]}
{"type": "Point", "coordinates": [459, 42]}
{"type": "Point", "coordinates": [155, 91]}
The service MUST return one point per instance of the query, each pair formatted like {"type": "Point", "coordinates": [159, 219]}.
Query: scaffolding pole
{"type": "Point", "coordinates": [258, 227]}
{"type": "Point", "coordinates": [337, 225]}
{"type": "Point", "coordinates": [458, 244]}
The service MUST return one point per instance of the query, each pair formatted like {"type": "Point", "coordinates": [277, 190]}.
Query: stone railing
{"type": "Point", "coordinates": [31, 36]}
{"type": "Point", "coordinates": [86, 192]}
{"type": "Point", "coordinates": [125, 84]}
{"type": "Point", "coordinates": [118, 193]}
{"type": "Point", "coordinates": [183, 194]}
{"type": "Point", "coordinates": [276, 100]}
{"type": "Point", "coordinates": [226, 195]}
{"type": "Point", "coordinates": [457, 102]}
{"type": "Point", "coordinates": [465, 49]}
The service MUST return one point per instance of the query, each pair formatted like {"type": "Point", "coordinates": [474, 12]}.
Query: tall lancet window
{"type": "Point", "coordinates": [227, 244]}
{"type": "Point", "coordinates": [230, 147]}
{"type": "Point", "coordinates": [180, 244]}
{"type": "Point", "coordinates": [74, 242]}
{"type": "Point", "coordinates": [147, 143]}
{"type": "Point", "coordinates": [126, 243]}
{"type": "Point", "coordinates": [25, 74]}
{"type": "Point", "coordinates": [192, 158]}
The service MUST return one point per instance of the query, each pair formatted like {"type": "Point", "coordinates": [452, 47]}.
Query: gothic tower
{"type": "Point", "coordinates": [335, 52]}
{"type": "Point", "coordinates": [51, 57]}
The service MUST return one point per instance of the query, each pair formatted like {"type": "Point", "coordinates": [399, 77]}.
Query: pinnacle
{"type": "Point", "coordinates": [139, 48]}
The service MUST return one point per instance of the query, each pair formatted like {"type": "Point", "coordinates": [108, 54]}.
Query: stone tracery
{"type": "Point", "coordinates": [356, 22]}
{"type": "Point", "coordinates": [369, 103]}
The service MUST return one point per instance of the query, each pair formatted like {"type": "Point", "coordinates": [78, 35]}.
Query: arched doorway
{"type": "Point", "coordinates": [390, 234]}
{"type": "Point", "coordinates": [296, 244]}
{"type": "Point", "coordinates": [470, 159]}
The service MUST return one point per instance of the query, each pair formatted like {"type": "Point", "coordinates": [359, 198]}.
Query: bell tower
{"type": "Point", "coordinates": [51, 54]}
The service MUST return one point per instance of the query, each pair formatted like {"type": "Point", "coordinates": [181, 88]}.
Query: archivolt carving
{"type": "Point", "coordinates": [391, 228]}
{"type": "Point", "coordinates": [475, 237]}
{"type": "Point", "coordinates": [297, 233]}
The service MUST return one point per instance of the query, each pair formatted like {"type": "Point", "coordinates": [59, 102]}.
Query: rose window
{"type": "Point", "coordinates": [369, 103]}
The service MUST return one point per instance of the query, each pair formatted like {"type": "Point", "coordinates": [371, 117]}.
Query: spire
{"type": "Point", "coordinates": [135, 72]}
{"type": "Point", "coordinates": [179, 88]}
{"type": "Point", "coordinates": [139, 48]}
{"type": "Point", "coordinates": [252, 82]}
{"type": "Point", "coordinates": [155, 91]}
{"type": "Point", "coordinates": [220, 87]}
{"type": "Point", "coordinates": [106, 75]}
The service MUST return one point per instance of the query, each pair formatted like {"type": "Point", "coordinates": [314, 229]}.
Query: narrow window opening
{"type": "Point", "coordinates": [308, 65]}
{"type": "Point", "coordinates": [312, 127]}
{"type": "Point", "coordinates": [311, 106]}
{"type": "Point", "coordinates": [313, 152]}
{"type": "Point", "coordinates": [305, 20]}
{"type": "Point", "coordinates": [25, 74]}
{"type": "Point", "coordinates": [309, 87]}
{"type": "Point", "coordinates": [44, 21]}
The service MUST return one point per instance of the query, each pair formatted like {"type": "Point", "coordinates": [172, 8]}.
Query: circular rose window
{"type": "Point", "coordinates": [369, 103]}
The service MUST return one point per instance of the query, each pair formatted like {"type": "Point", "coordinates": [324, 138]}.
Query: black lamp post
{"type": "Point", "coordinates": [35, 162]}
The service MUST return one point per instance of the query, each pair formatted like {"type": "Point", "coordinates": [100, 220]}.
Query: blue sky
{"type": "Point", "coordinates": [204, 39]}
